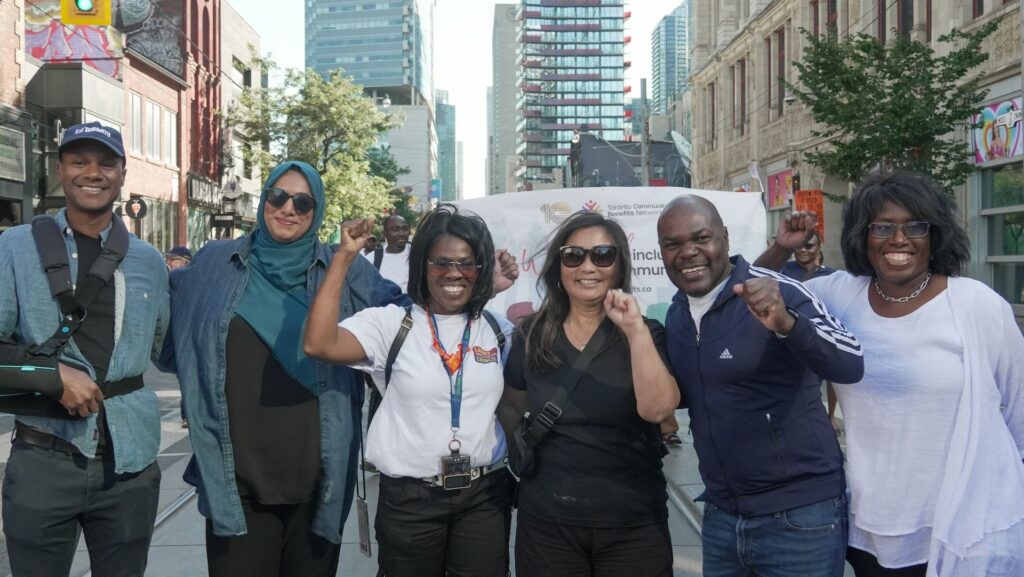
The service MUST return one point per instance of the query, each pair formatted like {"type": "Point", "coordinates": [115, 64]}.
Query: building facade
{"type": "Point", "coordinates": [748, 135]}
{"type": "Point", "coordinates": [447, 153]}
{"type": "Point", "coordinates": [387, 48]}
{"type": "Point", "coordinates": [17, 126]}
{"type": "Point", "coordinates": [502, 160]}
{"type": "Point", "coordinates": [670, 58]}
{"type": "Point", "coordinates": [572, 68]}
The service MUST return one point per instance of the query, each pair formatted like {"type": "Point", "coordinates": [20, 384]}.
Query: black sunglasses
{"type": "Point", "coordinates": [302, 202]}
{"type": "Point", "coordinates": [602, 255]}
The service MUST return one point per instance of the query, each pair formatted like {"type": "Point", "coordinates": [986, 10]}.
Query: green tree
{"type": "Point", "coordinates": [891, 105]}
{"type": "Point", "coordinates": [384, 165]}
{"type": "Point", "coordinates": [326, 122]}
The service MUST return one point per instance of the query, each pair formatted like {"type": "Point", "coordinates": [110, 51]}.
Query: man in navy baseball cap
{"type": "Point", "coordinates": [95, 131]}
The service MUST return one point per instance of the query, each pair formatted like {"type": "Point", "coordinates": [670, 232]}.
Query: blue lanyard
{"type": "Point", "coordinates": [456, 387]}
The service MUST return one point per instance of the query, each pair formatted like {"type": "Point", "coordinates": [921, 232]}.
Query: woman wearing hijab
{"type": "Point", "coordinates": [272, 432]}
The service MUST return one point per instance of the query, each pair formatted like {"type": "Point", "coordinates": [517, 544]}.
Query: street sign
{"type": "Point", "coordinates": [225, 220]}
{"type": "Point", "coordinates": [135, 208]}
{"type": "Point", "coordinates": [812, 200]}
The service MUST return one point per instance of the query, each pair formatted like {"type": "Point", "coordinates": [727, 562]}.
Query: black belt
{"type": "Point", "coordinates": [37, 438]}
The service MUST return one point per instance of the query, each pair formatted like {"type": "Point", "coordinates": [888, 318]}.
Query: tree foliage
{"type": "Point", "coordinates": [326, 122]}
{"type": "Point", "coordinates": [892, 105]}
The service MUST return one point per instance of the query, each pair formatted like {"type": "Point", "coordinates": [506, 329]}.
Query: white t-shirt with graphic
{"type": "Point", "coordinates": [410, 431]}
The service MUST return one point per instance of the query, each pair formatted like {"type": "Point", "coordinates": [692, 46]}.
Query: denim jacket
{"type": "Point", "coordinates": [31, 316]}
{"type": "Point", "coordinates": [203, 299]}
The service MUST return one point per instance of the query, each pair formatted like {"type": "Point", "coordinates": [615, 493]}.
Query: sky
{"type": "Point", "coordinates": [462, 58]}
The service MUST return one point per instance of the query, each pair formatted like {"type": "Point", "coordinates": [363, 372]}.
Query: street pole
{"type": "Point", "coordinates": [645, 138]}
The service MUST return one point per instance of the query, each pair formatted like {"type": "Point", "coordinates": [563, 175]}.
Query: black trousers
{"type": "Point", "coordinates": [426, 531]}
{"type": "Point", "coordinates": [546, 549]}
{"type": "Point", "coordinates": [50, 498]}
{"type": "Point", "coordinates": [866, 565]}
{"type": "Point", "coordinates": [279, 542]}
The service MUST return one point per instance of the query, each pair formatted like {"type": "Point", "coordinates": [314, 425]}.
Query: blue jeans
{"type": "Point", "coordinates": [809, 541]}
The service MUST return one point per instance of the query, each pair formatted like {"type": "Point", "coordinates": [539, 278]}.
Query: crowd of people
{"type": "Point", "coordinates": [274, 337]}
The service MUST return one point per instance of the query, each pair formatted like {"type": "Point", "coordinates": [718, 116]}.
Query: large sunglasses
{"type": "Point", "coordinates": [301, 202]}
{"type": "Point", "coordinates": [914, 229]}
{"type": "Point", "coordinates": [602, 255]}
{"type": "Point", "coordinates": [441, 266]}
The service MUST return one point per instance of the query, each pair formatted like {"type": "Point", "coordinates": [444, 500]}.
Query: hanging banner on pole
{"type": "Point", "coordinates": [521, 222]}
{"type": "Point", "coordinates": [812, 200]}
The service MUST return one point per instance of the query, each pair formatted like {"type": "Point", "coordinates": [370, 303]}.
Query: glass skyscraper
{"type": "Point", "coordinates": [571, 79]}
{"type": "Point", "coordinates": [670, 57]}
{"type": "Point", "coordinates": [384, 45]}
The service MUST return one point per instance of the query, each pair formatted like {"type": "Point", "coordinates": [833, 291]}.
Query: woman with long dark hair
{"type": "Point", "coordinates": [596, 502]}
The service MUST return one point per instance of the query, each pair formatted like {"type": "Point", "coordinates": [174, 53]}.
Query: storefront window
{"type": "Point", "coordinates": [159, 225]}
{"type": "Point", "coordinates": [1002, 196]}
{"type": "Point", "coordinates": [1003, 186]}
{"type": "Point", "coordinates": [1008, 280]}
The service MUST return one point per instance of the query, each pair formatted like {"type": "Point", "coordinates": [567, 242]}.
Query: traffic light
{"type": "Point", "coordinates": [88, 12]}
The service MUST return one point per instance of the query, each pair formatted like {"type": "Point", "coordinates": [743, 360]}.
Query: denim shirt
{"type": "Point", "coordinates": [204, 296]}
{"type": "Point", "coordinates": [31, 315]}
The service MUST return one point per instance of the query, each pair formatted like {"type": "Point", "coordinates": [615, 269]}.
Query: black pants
{"type": "Point", "coordinates": [426, 531]}
{"type": "Point", "coordinates": [866, 565]}
{"type": "Point", "coordinates": [50, 498]}
{"type": "Point", "coordinates": [545, 549]}
{"type": "Point", "coordinates": [279, 542]}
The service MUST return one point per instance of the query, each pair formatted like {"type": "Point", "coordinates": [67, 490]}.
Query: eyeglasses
{"type": "Point", "coordinates": [442, 266]}
{"type": "Point", "coordinates": [914, 229]}
{"type": "Point", "coordinates": [302, 202]}
{"type": "Point", "coordinates": [602, 255]}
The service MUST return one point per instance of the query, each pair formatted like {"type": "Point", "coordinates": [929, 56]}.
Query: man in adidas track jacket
{"type": "Point", "coordinates": [748, 348]}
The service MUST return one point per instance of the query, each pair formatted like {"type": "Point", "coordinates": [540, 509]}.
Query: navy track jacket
{"type": "Point", "coordinates": [759, 427]}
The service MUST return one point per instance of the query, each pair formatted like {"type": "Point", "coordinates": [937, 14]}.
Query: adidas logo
{"type": "Point", "coordinates": [725, 354]}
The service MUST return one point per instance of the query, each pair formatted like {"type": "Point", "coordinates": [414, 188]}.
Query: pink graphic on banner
{"type": "Point", "coordinates": [999, 134]}
{"type": "Point", "coordinates": [46, 39]}
{"type": "Point", "coordinates": [779, 185]}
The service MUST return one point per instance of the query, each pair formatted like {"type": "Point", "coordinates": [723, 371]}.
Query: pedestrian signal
{"type": "Point", "coordinates": [85, 12]}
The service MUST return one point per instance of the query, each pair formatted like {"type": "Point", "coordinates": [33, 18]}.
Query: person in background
{"type": "Point", "coordinates": [935, 429]}
{"type": "Point", "coordinates": [438, 413]}
{"type": "Point", "coordinates": [177, 257]}
{"type": "Point", "coordinates": [275, 433]}
{"type": "Point", "coordinates": [392, 260]}
{"type": "Point", "coordinates": [746, 346]}
{"type": "Point", "coordinates": [808, 262]}
{"type": "Point", "coordinates": [96, 474]}
{"type": "Point", "coordinates": [371, 244]}
{"type": "Point", "coordinates": [596, 504]}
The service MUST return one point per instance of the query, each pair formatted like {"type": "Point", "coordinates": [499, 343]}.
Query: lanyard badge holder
{"type": "Point", "coordinates": [456, 468]}
{"type": "Point", "coordinates": [362, 510]}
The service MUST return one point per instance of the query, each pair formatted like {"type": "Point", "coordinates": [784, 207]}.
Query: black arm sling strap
{"type": "Point", "coordinates": [542, 422]}
{"type": "Point", "coordinates": [75, 302]}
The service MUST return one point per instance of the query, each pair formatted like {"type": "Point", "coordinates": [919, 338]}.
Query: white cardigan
{"type": "Point", "coordinates": [978, 530]}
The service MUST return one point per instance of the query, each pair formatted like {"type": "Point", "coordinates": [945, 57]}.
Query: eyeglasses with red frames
{"type": "Point", "coordinates": [602, 255]}
{"type": "Point", "coordinates": [302, 202]}
{"type": "Point", "coordinates": [441, 266]}
{"type": "Point", "coordinates": [913, 229]}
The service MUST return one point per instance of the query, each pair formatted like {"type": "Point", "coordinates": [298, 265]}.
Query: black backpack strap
{"type": "Point", "coordinates": [396, 345]}
{"type": "Point", "coordinates": [54, 257]}
{"type": "Point", "coordinates": [106, 263]}
{"type": "Point", "coordinates": [542, 422]}
{"type": "Point", "coordinates": [378, 257]}
{"type": "Point", "coordinates": [496, 328]}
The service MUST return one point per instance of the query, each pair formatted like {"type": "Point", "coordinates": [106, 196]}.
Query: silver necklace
{"type": "Point", "coordinates": [907, 298]}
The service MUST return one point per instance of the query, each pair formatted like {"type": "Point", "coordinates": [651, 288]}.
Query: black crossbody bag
{"type": "Point", "coordinates": [30, 382]}
{"type": "Point", "coordinates": [532, 429]}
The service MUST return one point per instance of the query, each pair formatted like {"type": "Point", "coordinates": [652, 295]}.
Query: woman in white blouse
{"type": "Point", "coordinates": [935, 430]}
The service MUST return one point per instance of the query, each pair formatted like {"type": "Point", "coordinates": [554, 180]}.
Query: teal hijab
{"type": "Point", "coordinates": [276, 301]}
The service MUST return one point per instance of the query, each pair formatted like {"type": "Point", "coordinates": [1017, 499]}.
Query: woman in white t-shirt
{"type": "Point", "coordinates": [445, 492]}
{"type": "Point", "coordinates": [935, 430]}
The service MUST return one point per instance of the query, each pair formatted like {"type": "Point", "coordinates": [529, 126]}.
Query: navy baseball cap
{"type": "Point", "coordinates": [180, 252]}
{"type": "Point", "coordinates": [105, 135]}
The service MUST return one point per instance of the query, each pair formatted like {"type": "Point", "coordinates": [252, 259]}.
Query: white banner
{"type": "Point", "coordinates": [521, 221]}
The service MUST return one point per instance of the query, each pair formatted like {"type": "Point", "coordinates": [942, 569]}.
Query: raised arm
{"type": "Point", "coordinates": [323, 338]}
{"type": "Point", "coordinates": [793, 232]}
{"type": "Point", "coordinates": [657, 394]}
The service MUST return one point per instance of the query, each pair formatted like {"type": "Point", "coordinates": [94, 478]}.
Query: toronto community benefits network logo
{"type": "Point", "coordinates": [557, 212]}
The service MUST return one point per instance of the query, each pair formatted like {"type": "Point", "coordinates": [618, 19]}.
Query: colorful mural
{"type": "Point", "coordinates": [994, 141]}
{"type": "Point", "coordinates": [46, 39]}
{"type": "Point", "coordinates": [779, 185]}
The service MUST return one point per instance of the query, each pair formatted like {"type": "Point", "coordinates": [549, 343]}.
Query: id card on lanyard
{"type": "Point", "coordinates": [456, 469]}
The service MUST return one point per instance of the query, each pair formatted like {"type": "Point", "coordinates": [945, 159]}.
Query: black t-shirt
{"type": "Point", "coordinates": [95, 336]}
{"type": "Point", "coordinates": [600, 465]}
{"type": "Point", "coordinates": [273, 420]}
